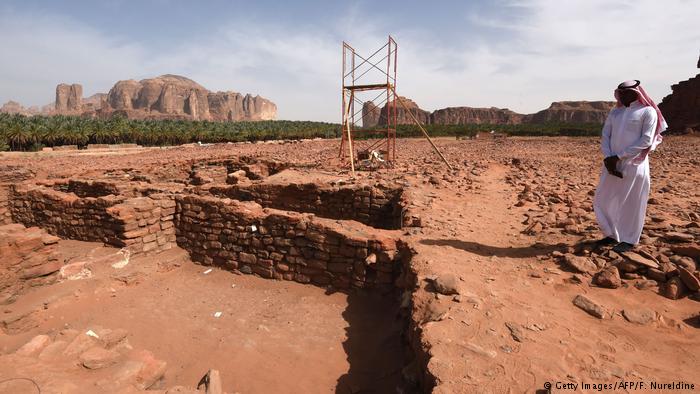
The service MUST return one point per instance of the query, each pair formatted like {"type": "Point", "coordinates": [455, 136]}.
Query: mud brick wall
{"type": "Point", "coordinates": [141, 224]}
{"type": "Point", "coordinates": [64, 214]}
{"type": "Point", "coordinates": [29, 258]}
{"type": "Point", "coordinates": [100, 188]}
{"type": "Point", "coordinates": [5, 214]}
{"type": "Point", "coordinates": [285, 245]}
{"type": "Point", "coordinates": [87, 188]}
{"type": "Point", "coordinates": [147, 223]}
{"type": "Point", "coordinates": [372, 206]}
{"type": "Point", "coordinates": [8, 176]}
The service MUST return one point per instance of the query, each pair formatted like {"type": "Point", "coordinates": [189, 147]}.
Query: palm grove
{"type": "Point", "coordinates": [31, 133]}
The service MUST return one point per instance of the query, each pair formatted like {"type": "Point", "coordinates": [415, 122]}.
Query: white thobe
{"type": "Point", "coordinates": [620, 204]}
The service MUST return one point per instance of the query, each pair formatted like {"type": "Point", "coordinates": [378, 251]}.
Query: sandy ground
{"type": "Point", "coordinates": [512, 329]}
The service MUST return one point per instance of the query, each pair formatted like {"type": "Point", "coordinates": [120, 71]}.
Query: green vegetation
{"type": "Point", "coordinates": [23, 133]}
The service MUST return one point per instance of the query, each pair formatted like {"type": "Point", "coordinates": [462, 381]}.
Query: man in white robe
{"type": "Point", "coordinates": [633, 129]}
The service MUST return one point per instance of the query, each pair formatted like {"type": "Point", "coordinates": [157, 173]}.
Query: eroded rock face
{"type": "Point", "coordinates": [469, 115]}
{"type": "Point", "coordinates": [682, 107]}
{"type": "Point", "coordinates": [370, 114]}
{"type": "Point", "coordinates": [235, 106]}
{"type": "Point", "coordinates": [564, 112]}
{"type": "Point", "coordinates": [69, 98]}
{"type": "Point", "coordinates": [573, 111]}
{"type": "Point", "coordinates": [402, 113]}
{"type": "Point", "coordinates": [177, 97]}
{"type": "Point", "coordinates": [373, 116]}
{"type": "Point", "coordinates": [13, 107]}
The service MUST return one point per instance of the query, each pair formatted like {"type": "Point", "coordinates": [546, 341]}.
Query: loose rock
{"type": "Point", "coordinates": [580, 264]}
{"type": "Point", "coordinates": [642, 316]}
{"type": "Point", "coordinates": [97, 357]}
{"type": "Point", "coordinates": [447, 284]}
{"type": "Point", "coordinates": [591, 307]}
{"type": "Point", "coordinates": [674, 288]}
{"type": "Point", "coordinates": [689, 280]}
{"type": "Point", "coordinates": [608, 278]}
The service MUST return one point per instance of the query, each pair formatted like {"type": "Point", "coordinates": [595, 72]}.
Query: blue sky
{"type": "Point", "coordinates": [517, 54]}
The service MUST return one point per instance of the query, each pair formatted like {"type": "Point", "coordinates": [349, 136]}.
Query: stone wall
{"type": "Point", "coordinates": [87, 188]}
{"type": "Point", "coordinates": [141, 224]}
{"type": "Point", "coordinates": [8, 176]}
{"type": "Point", "coordinates": [286, 245]}
{"type": "Point", "coordinates": [5, 214]}
{"type": "Point", "coordinates": [373, 206]}
{"type": "Point", "coordinates": [29, 258]}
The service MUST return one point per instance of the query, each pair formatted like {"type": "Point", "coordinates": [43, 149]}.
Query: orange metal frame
{"type": "Point", "coordinates": [379, 75]}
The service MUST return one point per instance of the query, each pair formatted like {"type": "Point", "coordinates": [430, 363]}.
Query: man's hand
{"type": "Point", "coordinates": [611, 166]}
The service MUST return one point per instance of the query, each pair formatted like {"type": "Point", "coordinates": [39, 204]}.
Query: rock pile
{"type": "Point", "coordinates": [52, 359]}
{"type": "Point", "coordinates": [560, 203]}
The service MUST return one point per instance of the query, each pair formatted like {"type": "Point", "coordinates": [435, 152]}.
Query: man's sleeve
{"type": "Point", "coordinates": [645, 140]}
{"type": "Point", "coordinates": [605, 139]}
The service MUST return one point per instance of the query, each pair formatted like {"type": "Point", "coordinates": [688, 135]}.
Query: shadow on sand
{"type": "Point", "coordinates": [533, 250]}
{"type": "Point", "coordinates": [373, 345]}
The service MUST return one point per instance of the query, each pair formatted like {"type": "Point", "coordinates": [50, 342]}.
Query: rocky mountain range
{"type": "Point", "coordinates": [176, 97]}
{"type": "Point", "coordinates": [563, 111]}
{"type": "Point", "coordinates": [164, 97]}
{"type": "Point", "coordinates": [681, 109]}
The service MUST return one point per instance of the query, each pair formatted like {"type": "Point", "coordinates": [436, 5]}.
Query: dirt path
{"type": "Point", "coordinates": [514, 327]}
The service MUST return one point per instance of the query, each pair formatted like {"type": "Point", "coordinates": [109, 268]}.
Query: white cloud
{"type": "Point", "coordinates": [540, 51]}
{"type": "Point", "coordinates": [559, 50]}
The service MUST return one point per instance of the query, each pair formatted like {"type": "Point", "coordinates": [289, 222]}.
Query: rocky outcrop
{"type": "Point", "coordinates": [370, 114]}
{"type": "Point", "coordinates": [95, 101]}
{"type": "Point", "coordinates": [177, 97]}
{"type": "Point", "coordinates": [373, 116]}
{"type": "Point", "coordinates": [402, 113]}
{"type": "Point", "coordinates": [230, 106]}
{"type": "Point", "coordinates": [164, 97]}
{"type": "Point", "coordinates": [573, 112]}
{"type": "Point", "coordinates": [682, 107]}
{"type": "Point", "coordinates": [69, 99]}
{"type": "Point", "coordinates": [13, 107]}
{"type": "Point", "coordinates": [469, 115]}
{"type": "Point", "coordinates": [559, 112]}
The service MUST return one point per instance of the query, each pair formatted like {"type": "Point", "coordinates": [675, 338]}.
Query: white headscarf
{"type": "Point", "coordinates": [644, 98]}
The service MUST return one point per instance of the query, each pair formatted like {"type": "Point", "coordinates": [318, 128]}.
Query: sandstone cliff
{"type": "Point", "coordinates": [13, 107]}
{"type": "Point", "coordinates": [469, 115]}
{"type": "Point", "coordinates": [681, 108]}
{"type": "Point", "coordinates": [164, 97]}
{"type": "Point", "coordinates": [564, 112]}
{"type": "Point", "coordinates": [370, 114]}
{"type": "Point", "coordinates": [573, 112]}
{"type": "Point", "coordinates": [69, 99]}
{"type": "Point", "coordinates": [373, 116]}
{"type": "Point", "coordinates": [177, 97]}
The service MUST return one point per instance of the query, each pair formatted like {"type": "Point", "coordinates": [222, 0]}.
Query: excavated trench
{"type": "Point", "coordinates": [339, 238]}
